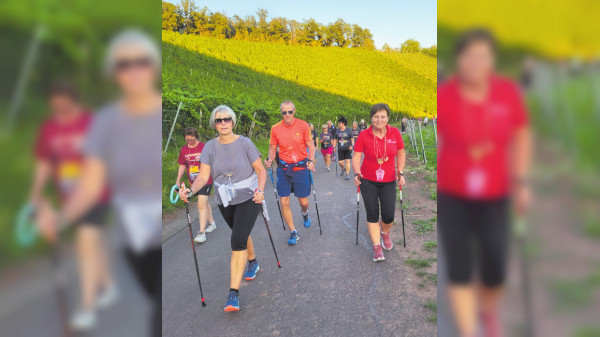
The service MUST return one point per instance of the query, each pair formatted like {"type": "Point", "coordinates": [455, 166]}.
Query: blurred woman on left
{"type": "Point", "coordinates": [59, 155]}
{"type": "Point", "coordinates": [122, 150]}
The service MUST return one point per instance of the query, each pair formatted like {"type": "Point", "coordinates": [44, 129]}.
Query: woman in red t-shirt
{"type": "Point", "coordinates": [189, 162]}
{"type": "Point", "coordinates": [381, 169]}
{"type": "Point", "coordinates": [482, 159]}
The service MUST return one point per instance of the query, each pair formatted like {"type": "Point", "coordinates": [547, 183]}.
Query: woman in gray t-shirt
{"type": "Point", "coordinates": [239, 178]}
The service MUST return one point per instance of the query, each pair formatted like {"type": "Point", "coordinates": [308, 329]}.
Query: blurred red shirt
{"type": "Point", "coordinates": [62, 145]}
{"type": "Point", "coordinates": [475, 139]}
{"type": "Point", "coordinates": [387, 146]}
{"type": "Point", "coordinates": [190, 157]}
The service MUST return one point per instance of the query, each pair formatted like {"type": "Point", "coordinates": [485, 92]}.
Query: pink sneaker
{"type": "Point", "coordinates": [377, 253]}
{"type": "Point", "coordinates": [387, 243]}
{"type": "Point", "coordinates": [491, 323]}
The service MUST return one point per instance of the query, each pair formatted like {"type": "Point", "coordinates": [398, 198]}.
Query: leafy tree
{"type": "Point", "coordinates": [200, 21]}
{"type": "Point", "coordinates": [338, 33]}
{"type": "Point", "coordinates": [185, 10]}
{"type": "Point", "coordinates": [410, 46]}
{"type": "Point", "coordinates": [220, 27]}
{"type": "Point", "coordinates": [431, 51]}
{"type": "Point", "coordinates": [170, 19]}
{"type": "Point", "coordinates": [386, 48]}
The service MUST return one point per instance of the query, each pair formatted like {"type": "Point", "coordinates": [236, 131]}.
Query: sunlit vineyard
{"type": "Point", "coordinates": [255, 77]}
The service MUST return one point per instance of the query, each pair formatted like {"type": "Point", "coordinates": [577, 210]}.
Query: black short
{"type": "Point", "coordinates": [344, 154]}
{"type": "Point", "coordinates": [204, 190]}
{"type": "Point", "coordinates": [376, 194]}
{"type": "Point", "coordinates": [474, 232]}
{"type": "Point", "coordinates": [95, 217]}
{"type": "Point", "coordinates": [240, 218]}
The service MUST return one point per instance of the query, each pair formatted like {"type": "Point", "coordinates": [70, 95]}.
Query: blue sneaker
{"type": "Point", "coordinates": [253, 268]}
{"type": "Point", "coordinates": [306, 220]}
{"type": "Point", "coordinates": [233, 302]}
{"type": "Point", "coordinates": [294, 237]}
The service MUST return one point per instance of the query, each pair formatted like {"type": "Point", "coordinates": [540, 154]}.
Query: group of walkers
{"type": "Point", "coordinates": [232, 163]}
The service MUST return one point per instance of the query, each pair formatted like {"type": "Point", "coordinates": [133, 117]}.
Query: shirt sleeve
{"type": "Point", "coordinates": [399, 140]}
{"type": "Point", "coordinates": [96, 142]}
{"type": "Point", "coordinates": [207, 156]}
{"type": "Point", "coordinates": [181, 158]}
{"type": "Point", "coordinates": [359, 145]}
{"type": "Point", "coordinates": [42, 150]}
{"type": "Point", "coordinates": [520, 117]}
{"type": "Point", "coordinates": [251, 151]}
{"type": "Point", "coordinates": [273, 140]}
{"type": "Point", "coordinates": [307, 136]}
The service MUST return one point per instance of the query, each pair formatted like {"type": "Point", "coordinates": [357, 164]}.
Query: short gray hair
{"type": "Point", "coordinates": [128, 38]}
{"type": "Point", "coordinates": [286, 103]}
{"type": "Point", "coordinates": [222, 108]}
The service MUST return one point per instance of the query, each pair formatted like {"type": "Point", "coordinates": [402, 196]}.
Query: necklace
{"type": "Point", "coordinates": [228, 174]}
{"type": "Point", "coordinates": [383, 158]}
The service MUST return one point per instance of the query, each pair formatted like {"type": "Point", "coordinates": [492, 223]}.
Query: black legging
{"type": "Point", "coordinates": [147, 267]}
{"type": "Point", "coordinates": [240, 218]}
{"type": "Point", "coordinates": [375, 194]}
{"type": "Point", "coordinates": [474, 231]}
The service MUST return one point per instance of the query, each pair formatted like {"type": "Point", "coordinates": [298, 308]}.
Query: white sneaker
{"type": "Point", "coordinates": [201, 237]}
{"type": "Point", "coordinates": [328, 169]}
{"type": "Point", "coordinates": [107, 297]}
{"type": "Point", "coordinates": [83, 320]}
{"type": "Point", "coordinates": [210, 228]}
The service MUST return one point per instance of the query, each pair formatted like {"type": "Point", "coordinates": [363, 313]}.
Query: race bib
{"type": "Point", "coordinates": [68, 173]}
{"type": "Point", "coordinates": [194, 172]}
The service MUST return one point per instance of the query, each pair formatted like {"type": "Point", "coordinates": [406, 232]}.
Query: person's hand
{"type": "Point", "coordinates": [311, 165]}
{"type": "Point", "coordinates": [400, 179]}
{"type": "Point", "coordinates": [184, 192]}
{"type": "Point", "coordinates": [357, 177]}
{"type": "Point", "coordinates": [259, 196]}
{"type": "Point", "coordinates": [351, 147]}
{"type": "Point", "coordinates": [522, 198]}
{"type": "Point", "coordinates": [47, 221]}
{"type": "Point", "coordinates": [268, 163]}
{"type": "Point", "coordinates": [178, 183]}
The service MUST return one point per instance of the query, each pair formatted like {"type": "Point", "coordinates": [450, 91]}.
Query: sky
{"type": "Point", "coordinates": [390, 21]}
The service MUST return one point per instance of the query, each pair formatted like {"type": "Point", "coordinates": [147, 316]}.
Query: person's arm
{"type": "Point", "coordinates": [521, 160]}
{"type": "Point", "coordinates": [180, 173]}
{"type": "Point", "coordinates": [356, 157]}
{"type": "Point", "coordinates": [271, 155]}
{"type": "Point", "coordinates": [400, 162]}
{"type": "Point", "coordinates": [87, 191]}
{"type": "Point", "coordinates": [198, 184]}
{"type": "Point", "coordinates": [262, 180]}
{"type": "Point", "coordinates": [41, 175]}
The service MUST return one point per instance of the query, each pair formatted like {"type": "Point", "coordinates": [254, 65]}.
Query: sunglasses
{"type": "Point", "coordinates": [223, 120]}
{"type": "Point", "coordinates": [139, 63]}
{"type": "Point", "coordinates": [287, 112]}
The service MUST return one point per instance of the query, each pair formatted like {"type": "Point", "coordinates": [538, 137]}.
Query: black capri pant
{"type": "Point", "coordinates": [240, 218]}
{"type": "Point", "coordinates": [375, 194]}
{"type": "Point", "coordinates": [474, 232]}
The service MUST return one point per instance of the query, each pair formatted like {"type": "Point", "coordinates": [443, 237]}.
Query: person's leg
{"type": "Point", "coordinates": [203, 211]}
{"type": "Point", "coordinates": [347, 163]}
{"type": "Point", "coordinates": [370, 194]}
{"type": "Point", "coordinates": [328, 160]}
{"type": "Point", "coordinates": [209, 212]}
{"type": "Point", "coordinates": [387, 200]}
{"type": "Point", "coordinates": [284, 189]}
{"type": "Point", "coordinates": [88, 238]}
{"type": "Point", "coordinates": [454, 228]}
{"type": "Point", "coordinates": [243, 221]}
{"type": "Point", "coordinates": [287, 212]}
{"type": "Point", "coordinates": [250, 245]}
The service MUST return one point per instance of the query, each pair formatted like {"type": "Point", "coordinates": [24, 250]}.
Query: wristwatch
{"type": "Point", "coordinates": [400, 173]}
{"type": "Point", "coordinates": [259, 190]}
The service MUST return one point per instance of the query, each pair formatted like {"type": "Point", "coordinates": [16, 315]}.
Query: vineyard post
{"type": "Point", "coordinates": [173, 126]}
{"type": "Point", "coordinates": [422, 145]}
{"type": "Point", "coordinates": [414, 138]}
{"type": "Point", "coordinates": [252, 125]}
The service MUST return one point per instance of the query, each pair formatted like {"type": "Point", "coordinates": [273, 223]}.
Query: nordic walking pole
{"type": "Point", "coordinates": [525, 279]}
{"type": "Point", "coordinates": [402, 215]}
{"type": "Point", "coordinates": [266, 218]}
{"type": "Point", "coordinates": [335, 162]}
{"type": "Point", "coordinates": [422, 145]}
{"type": "Point", "coordinates": [357, 210]}
{"type": "Point", "coordinates": [276, 197]}
{"type": "Point", "coordinates": [187, 209]}
{"type": "Point", "coordinates": [316, 205]}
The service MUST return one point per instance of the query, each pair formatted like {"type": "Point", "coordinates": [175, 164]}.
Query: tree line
{"type": "Point", "coordinates": [187, 18]}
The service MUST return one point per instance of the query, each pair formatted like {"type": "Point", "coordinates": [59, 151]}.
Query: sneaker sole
{"type": "Point", "coordinates": [209, 231]}
{"type": "Point", "coordinates": [377, 260]}
{"type": "Point", "coordinates": [292, 244]}
{"type": "Point", "coordinates": [198, 241]}
{"type": "Point", "coordinates": [231, 308]}
{"type": "Point", "coordinates": [252, 278]}
{"type": "Point", "coordinates": [305, 226]}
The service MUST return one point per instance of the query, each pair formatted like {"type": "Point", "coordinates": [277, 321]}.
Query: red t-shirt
{"type": "Point", "coordinates": [292, 140]}
{"type": "Point", "coordinates": [62, 145]}
{"type": "Point", "coordinates": [374, 147]}
{"type": "Point", "coordinates": [190, 157]}
{"type": "Point", "coordinates": [475, 139]}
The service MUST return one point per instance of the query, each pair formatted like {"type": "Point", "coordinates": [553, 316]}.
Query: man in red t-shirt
{"type": "Point", "coordinates": [189, 163]}
{"type": "Point", "coordinates": [483, 158]}
{"type": "Point", "coordinates": [59, 155]}
{"type": "Point", "coordinates": [293, 137]}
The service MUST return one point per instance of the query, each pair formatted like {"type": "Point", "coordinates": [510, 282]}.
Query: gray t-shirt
{"type": "Point", "coordinates": [130, 147]}
{"type": "Point", "coordinates": [236, 157]}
